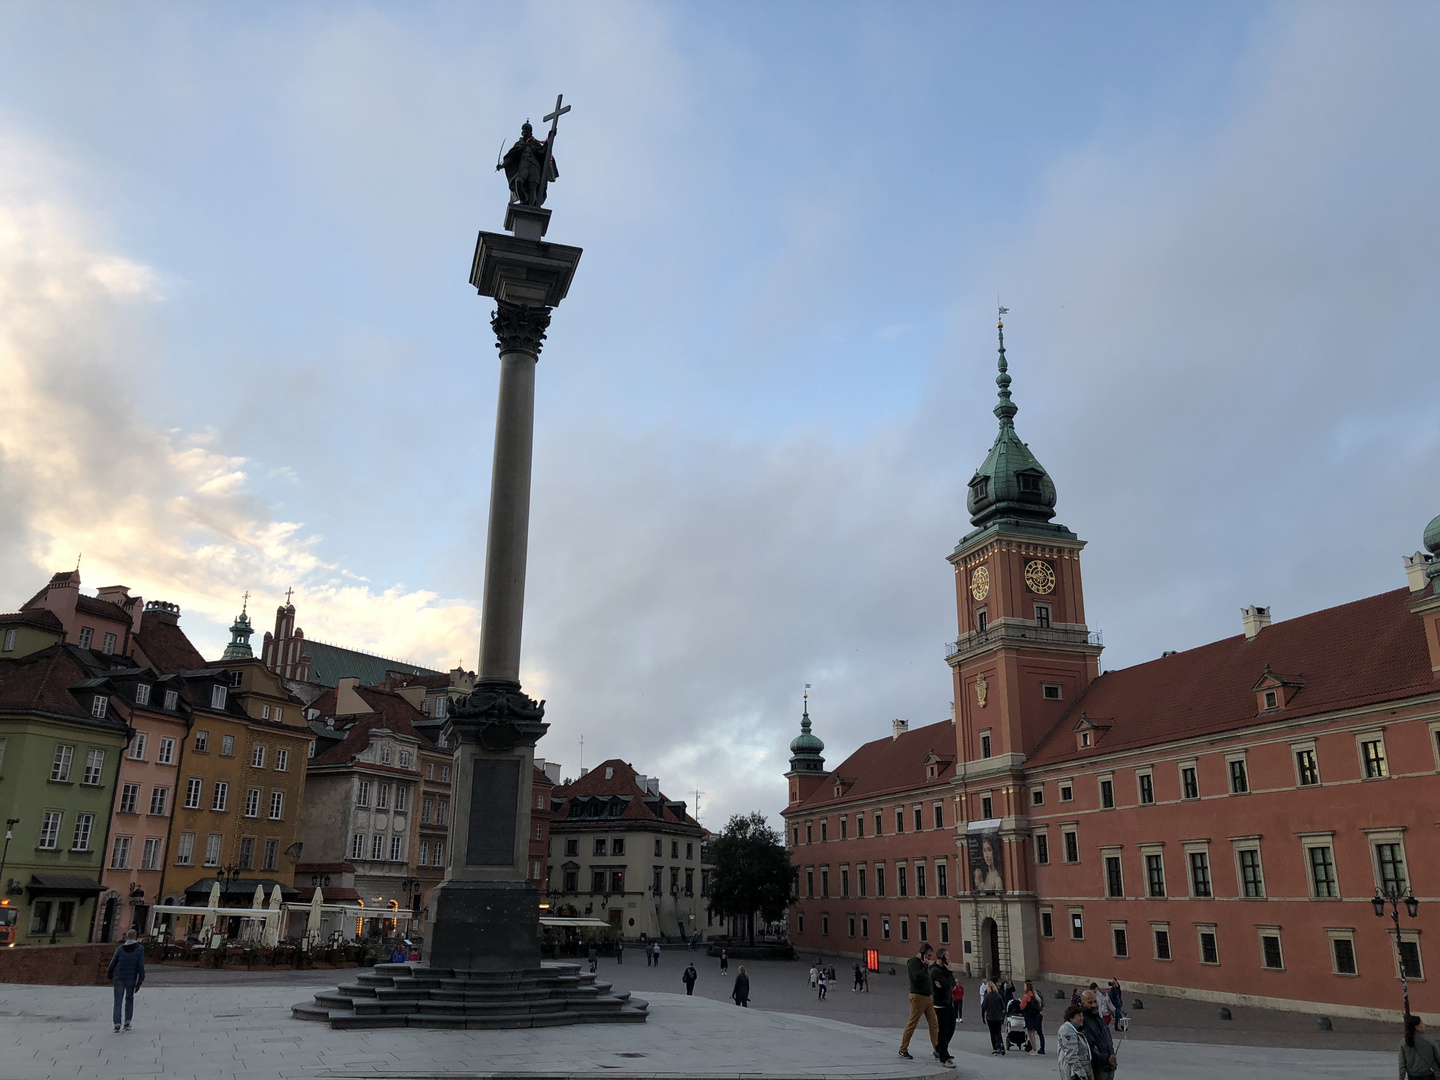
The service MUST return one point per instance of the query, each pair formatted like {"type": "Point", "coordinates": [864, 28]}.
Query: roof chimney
{"type": "Point", "coordinates": [1255, 618]}
{"type": "Point", "coordinates": [1415, 570]}
{"type": "Point", "coordinates": [898, 728]}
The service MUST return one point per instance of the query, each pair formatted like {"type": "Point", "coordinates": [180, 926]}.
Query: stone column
{"type": "Point", "coordinates": [486, 913]}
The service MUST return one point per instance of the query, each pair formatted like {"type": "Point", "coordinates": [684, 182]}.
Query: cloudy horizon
{"type": "Point", "coordinates": [240, 351]}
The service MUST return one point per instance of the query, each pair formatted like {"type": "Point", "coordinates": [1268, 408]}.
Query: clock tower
{"type": "Point", "coordinates": [1023, 655]}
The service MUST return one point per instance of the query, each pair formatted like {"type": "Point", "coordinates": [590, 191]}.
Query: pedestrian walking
{"type": "Point", "coordinates": [942, 980]}
{"type": "Point", "coordinates": [814, 975]}
{"type": "Point", "coordinates": [1007, 989]}
{"type": "Point", "coordinates": [619, 952]}
{"type": "Point", "coordinates": [859, 978]}
{"type": "Point", "coordinates": [594, 957]}
{"type": "Point", "coordinates": [127, 973]}
{"type": "Point", "coordinates": [1419, 1055]}
{"type": "Point", "coordinates": [959, 995]}
{"type": "Point", "coordinates": [823, 984]}
{"type": "Point", "coordinates": [1097, 1033]}
{"type": "Point", "coordinates": [689, 979]}
{"type": "Point", "coordinates": [1032, 1008]}
{"type": "Point", "coordinates": [992, 1011]}
{"type": "Point", "coordinates": [655, 953]}
{"type": "Point", "coordinates": [1074, 1051]}
{"type": "Point", "coordinates": [1117, 998]}
{"type": "Point", "coordinates": [741, 994]}
{"type": "Point", "coordinates": [724, 961]}
{"type": "Point", "coordinates": [922, 1001]}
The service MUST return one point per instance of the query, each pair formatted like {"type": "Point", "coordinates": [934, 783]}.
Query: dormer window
{"type": "Point", "coordinates": [217, 697]}
{"type": "Point", "coordinates": [142, 693]}
{"type": "Point", "coordinates": [99, 705]}
{"type": "Point", "coordinates": [172, 700]}
{"type": "Point", "coordinates": [1271, 701]}
{"type": "Point", "coordinates": [1084, 738]}
{"type": "Point", "coordinates": [980, 487]}
{"type": "Point", "coordinates": [1029, 483]}
{"type": "Point", "coordinates": [929, 772]}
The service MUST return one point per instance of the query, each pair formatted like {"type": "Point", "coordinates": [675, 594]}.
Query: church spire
{"type": "Point", "coordinates": [240, 631]}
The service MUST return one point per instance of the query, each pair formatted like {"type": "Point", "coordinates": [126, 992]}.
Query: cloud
{"type": "Point", "coordinates": [85, 466]}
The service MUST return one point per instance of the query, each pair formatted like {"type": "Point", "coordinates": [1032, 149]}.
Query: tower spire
{"type": "Point", "coordinates": [1005, 409]}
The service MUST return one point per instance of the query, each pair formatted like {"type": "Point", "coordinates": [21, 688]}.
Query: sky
{"type": "Point", "coordinates": [239, 350]}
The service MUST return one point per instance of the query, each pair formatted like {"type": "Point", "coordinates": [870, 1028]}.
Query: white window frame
{"type": "Point", "coordinates": [1368, 736]}
{"type": "Point", "coordinates": [1261, 933]}
{"type": "Point", "coordinates": [185, 850]}
{"type": "Point", "coordinates": [1191, 847]}
{"type": "Point", "coordinates": [50, 824]}
{"type": "Point", "coordinates": [257, 756]}
{"type": "Point", "coordinates": [60, 766]}
{"type": "Point", "coordinates": [150, 857]}
{"type": "Point", "coordinates": [1157, 928]}
{"type": "Point", "coordinates": [1200, 930]}
{"type": "Point", "coordinates": [1193, 765]}
{"type": "Point", "coordinates": [282, 759]}
{"type": "Point", "coordinates": [252, 802]}
{"type": "Point", "coordinates": [1318, 840]}
{"type": "Point", "coordinates": [1239, 844]}
{"type": "Point", "coordinates": [1148, 851]}
{"type": "Point", "coordinates": [213, 848]}
{"type": "Point", "coordinates": [166, 754]}
{"type": "Point", "coordinates": [220, 796]}
{"type": "Point", "coordinates": [277, 806]}
{"type": "Point", "coordinates": [217, 696]}
{"type": "Point", "coordinates": [94, 774]}
{"type": "Point", "coordinates": [1298, 748]}
{"type": "Point", "coordinates": [84, 832]}
{"type": "Point", "coordinates": [1343, 933]}
{"type": "Point", "coordinates": [227, 745]}
{"type": "Point", "coordinates": [1101, 779]}
{"type": "Point", "coordinates": [1230, 758]}
{"type": "Point", "coordinates": [1147, 773]}
{"type": "Point", "coordinates": [138, 746]}
{"type": "Point", "coordinates": [142, 693]}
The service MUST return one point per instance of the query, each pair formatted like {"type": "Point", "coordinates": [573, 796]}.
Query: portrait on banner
{"type": "Point", "coordinates": [986, 870]}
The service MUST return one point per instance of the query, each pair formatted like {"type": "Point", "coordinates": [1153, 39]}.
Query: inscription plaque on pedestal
{"type": "Point", "coordinates": [494, 792]}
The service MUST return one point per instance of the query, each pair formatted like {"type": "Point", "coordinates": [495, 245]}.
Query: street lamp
{"type": "Point", "coordinates": [1412, 908]}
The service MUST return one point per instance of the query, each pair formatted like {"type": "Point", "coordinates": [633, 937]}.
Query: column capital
{"type": "Point", "coordinates": [519, 327]}
{"type": "Point", "coordinates": [498, 715]}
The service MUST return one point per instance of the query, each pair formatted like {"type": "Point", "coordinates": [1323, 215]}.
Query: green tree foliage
{"type": "Point", "coordinates": [752, 872]}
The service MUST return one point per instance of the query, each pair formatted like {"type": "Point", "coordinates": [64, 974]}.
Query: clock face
{"type": "Point", "coordinates": [980, 582]}
{"type": "Point", "coordinates": [1040, 576]}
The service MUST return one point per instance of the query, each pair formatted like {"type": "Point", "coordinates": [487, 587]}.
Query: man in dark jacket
{"type": "Point", "coordinates": [922, 1001]}
{"type": "Point", "coordinates": [689, 979]}
{"type": "Point", "coordinates": [943, 980]}
{"type": "Point", "coordinates": [127, 973]}
{"type": "Point", "coordinates": [1097, 1034]}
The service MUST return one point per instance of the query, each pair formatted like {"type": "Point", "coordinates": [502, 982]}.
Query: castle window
{"type": "Point", "coordinates": [1271, 701]}
{"type": "Point", "coordinates": [985, 745]}
{"type": "Point", "coordinates": [1029, 483]}
{"type": "Point", "coordinates": [980, 487]}
{"type": "Point", "coordinates": [1042, 615]}
{"type": "Point", "coordinates": [1050, 691]}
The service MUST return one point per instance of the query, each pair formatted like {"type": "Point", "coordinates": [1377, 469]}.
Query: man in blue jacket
{"type": "Point", "coordinates": [127, 972]}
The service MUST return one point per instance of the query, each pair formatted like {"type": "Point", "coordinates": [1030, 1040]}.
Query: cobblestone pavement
{"type": "Point", "coordinates": [783, 985]}
{"type": "Point", "coordinates": [236, 1025]}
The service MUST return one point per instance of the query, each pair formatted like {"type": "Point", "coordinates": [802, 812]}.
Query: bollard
{"type": "Point", "coordinates": [1325, 1024]}
{"type": "Point", "coordinates": [1137, 1004]}
{"type": "Point", "coordinates": [1225, 1013]}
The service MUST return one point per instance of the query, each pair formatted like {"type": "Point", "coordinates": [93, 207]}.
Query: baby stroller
{"type": "Point", "coordinates": [1014, 1026]}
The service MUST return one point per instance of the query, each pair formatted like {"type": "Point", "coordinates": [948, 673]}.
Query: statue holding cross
{"type": "Point", "coordinates": [530, 164]}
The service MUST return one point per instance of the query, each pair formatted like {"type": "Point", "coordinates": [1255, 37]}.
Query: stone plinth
{"type": "Point", "coordinates": [412, 995]}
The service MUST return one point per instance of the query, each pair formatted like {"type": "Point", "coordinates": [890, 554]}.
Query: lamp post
{"type": "Point", "coordinates": [1412, 908]}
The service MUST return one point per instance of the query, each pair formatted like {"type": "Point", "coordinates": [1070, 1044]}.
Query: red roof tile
{"type": "Point", "coordinates": [621, 781]}
{"type": "Point", "coordinates": [1361, 653]}
{"type": "Point", "coordinates": [392, 713]}
{"type": "Point", "coordinates": [891, 764]}
{"type": "Point", "coordinates": [164, 646]}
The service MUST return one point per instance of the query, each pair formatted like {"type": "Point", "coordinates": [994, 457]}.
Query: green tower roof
{"type": "Point", "coordinates": [805, 748]}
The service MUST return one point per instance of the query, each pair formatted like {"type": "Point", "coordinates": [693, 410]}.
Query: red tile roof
{"type": "Point", "coordinates": [1357, 654]}
{"type": "Point", "coordinates": [103, 608]}
{"type": "Point", "coordinates": [43, 618]}
{"type": "Point", "coordinates": [164, 646]}
{"type": "Point", "coordinates": [41, 681]}
{"type": "Point", "coordinates": [621, 781]}
{"type": "Point", "coordinates": [890, 764]}
{"type": "Point", "coordinates": [392, 713]}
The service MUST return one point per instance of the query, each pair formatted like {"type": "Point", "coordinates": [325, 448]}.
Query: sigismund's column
{"type": "Point", "coordinates": [487, 911]}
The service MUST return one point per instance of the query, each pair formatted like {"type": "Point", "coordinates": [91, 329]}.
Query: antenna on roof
{"type": "Point", "coordinates": [582, 755]}
{"type": "Point", "coordinates": [698, 793]}
{"type": "Point", "coordinates": [77, 561]}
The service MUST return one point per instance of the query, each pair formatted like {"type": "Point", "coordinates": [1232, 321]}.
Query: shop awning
{"type": "Point", "coordinates": [63, 885]}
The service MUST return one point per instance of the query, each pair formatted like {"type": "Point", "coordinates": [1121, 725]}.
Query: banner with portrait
{"type": "Point", "coordinates": [987, 870]}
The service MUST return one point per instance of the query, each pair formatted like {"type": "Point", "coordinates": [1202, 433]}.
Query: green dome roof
{"type": "Point", "coordinates": [805, 748]}
{"type": "Point", "coordinates": [1432, 537]}
{"type": "Point", "coordinates": [1010, 484]}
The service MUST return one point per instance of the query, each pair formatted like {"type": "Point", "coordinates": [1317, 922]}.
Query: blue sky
{"type": "Point", "coordinates": [242, 352]}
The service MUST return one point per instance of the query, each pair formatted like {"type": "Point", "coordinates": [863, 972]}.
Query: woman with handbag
{"type": "Point", "coordinates": [1419, 1056]}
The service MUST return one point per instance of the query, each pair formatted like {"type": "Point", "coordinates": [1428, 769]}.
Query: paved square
{"type": "Point", "coordinates": [238, 1027]}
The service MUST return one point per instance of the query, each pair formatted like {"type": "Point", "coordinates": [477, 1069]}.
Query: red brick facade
{"type": "Point", "coordinates": [1214, 821]}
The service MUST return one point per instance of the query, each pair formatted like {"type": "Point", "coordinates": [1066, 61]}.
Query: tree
{"type": "Point", "coordinates": [752, 871]}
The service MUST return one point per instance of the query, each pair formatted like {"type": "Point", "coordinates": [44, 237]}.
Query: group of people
{"type": "Point", "coordinates": [1087, 1049]}
{"type": "Point", "coordinates": [739, 993]}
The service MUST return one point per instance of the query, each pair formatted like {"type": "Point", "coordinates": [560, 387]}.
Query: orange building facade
{"type": "Point", "coordinates": [1215, 822]}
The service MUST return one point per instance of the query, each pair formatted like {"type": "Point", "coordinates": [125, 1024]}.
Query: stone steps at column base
{"type": "Point", "coordinates": [343, 1020]}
